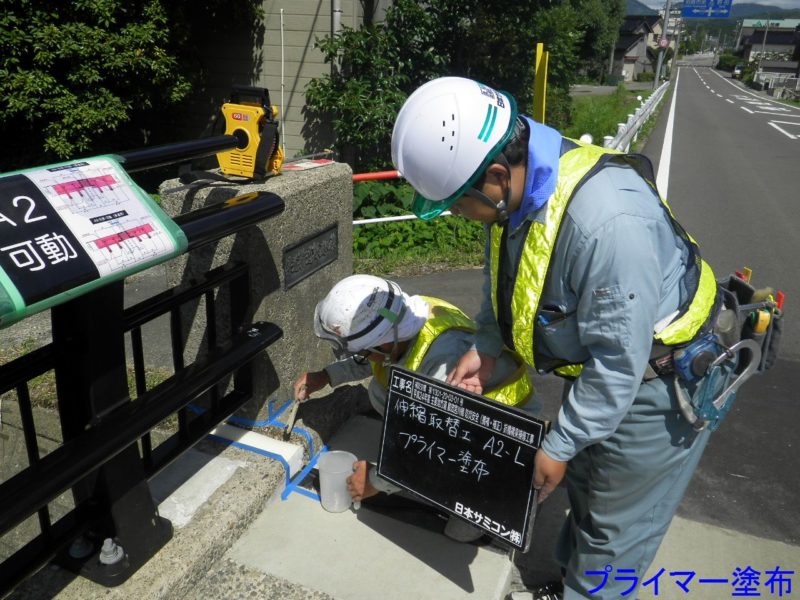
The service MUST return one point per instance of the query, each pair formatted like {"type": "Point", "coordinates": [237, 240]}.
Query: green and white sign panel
{"type": "Point", "coordinates": [69, 228]}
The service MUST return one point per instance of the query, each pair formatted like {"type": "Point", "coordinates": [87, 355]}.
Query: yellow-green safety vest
{"type": "Point", "coordinates": [514, 391]}
{"type": "Point", "coordinates": [575, 167]}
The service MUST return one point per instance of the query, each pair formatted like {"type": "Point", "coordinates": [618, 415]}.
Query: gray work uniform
{"type": "Point", "coordinates": [616, 271]}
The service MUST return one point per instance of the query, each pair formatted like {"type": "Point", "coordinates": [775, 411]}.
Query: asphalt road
{"type": "Point", "coordinates": [734, 185]}
{"type": "Point", "coordinates": [734, 181]}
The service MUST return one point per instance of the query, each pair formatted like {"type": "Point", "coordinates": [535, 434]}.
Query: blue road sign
{"type": "Point", "coordinates": [706, 9]}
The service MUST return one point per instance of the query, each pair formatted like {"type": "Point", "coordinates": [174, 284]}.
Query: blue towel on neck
{"type": "Point", "coordinates": [544, 150]}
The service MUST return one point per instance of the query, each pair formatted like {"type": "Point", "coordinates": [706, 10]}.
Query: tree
{"type": "Point", "coordinates": [375, 68]}
{"type": "Point", "coordinates": [93, 75]}
{"type": "Point", "coordinates": [491, 40]}
{"type": "Point", "coordinates": [600, 22]}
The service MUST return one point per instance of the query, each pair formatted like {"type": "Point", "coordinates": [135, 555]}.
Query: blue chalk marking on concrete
{"type": "Point", "coordinates": [292, 487]}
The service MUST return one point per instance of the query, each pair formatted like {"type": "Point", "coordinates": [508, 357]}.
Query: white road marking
{"type": "Point", "coordinates": [747, 109]}
{"type": "Point", "coordinates": [783, 131]}
{"type": "Point", "coordinates": [729, 100]}
{"type": "Point", "coordinates": [768, 108]}
{"type": "Point", "coordinates": [750, 94]}
{"type": "Point", "coordinates": [662, 178]}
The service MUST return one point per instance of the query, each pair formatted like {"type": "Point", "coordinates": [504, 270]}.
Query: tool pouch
{"type": "Point", "coordinates": [705, 407]}
{"type": "Point", "coordinates": [744, 341]}
{"type": "Point", "coordinates": [747, 317]}
{"type": "Point", "coordinates": [705, 402]}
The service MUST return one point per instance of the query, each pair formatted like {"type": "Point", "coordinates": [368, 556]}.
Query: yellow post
{"type": "Point", "coordinates": [540, 83]}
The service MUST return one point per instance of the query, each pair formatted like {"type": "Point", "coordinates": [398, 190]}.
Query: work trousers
{"type": "Point", "coordinates": [623, 493]}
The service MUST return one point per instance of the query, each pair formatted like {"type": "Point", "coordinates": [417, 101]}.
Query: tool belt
{"type": "Point", "coordinates": [741, 339]}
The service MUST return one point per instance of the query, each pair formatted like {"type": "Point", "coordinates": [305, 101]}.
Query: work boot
{"type": "Point", "coordinates": [460, 531]}
{"type": "Point", "coordinates": [549, 591]}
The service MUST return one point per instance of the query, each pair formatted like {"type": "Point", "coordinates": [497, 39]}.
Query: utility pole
{"type": "Point", "coordinates": [611, 59]}
{"type": "Point", "coordinates": [739, 35]}
{"type": "Point", "coordinates": [763, 43]}
{"type": "Point", "coordinates": [662, 49]}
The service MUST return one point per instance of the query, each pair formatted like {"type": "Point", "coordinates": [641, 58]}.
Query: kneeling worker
{"type": "Point", "coordinates": [373, 324]}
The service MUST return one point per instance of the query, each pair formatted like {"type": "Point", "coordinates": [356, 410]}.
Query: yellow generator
{"type": "Point", "coordinates": [251, 112]}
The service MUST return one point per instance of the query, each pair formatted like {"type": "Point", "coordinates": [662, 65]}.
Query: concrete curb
{"type": "Point", "coordinates": [219, 519]}
{"type": "Point", "coordinates": [193, 549]}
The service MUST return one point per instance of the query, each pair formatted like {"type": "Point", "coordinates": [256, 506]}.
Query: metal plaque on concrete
{"type": "Point", "coordinates": [466, 454]}
{"type": "Point", "coordinates": [68, 228]}
{"type": "Point", "coordinates": [309, 255]}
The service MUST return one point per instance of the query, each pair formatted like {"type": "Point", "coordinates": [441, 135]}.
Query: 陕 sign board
{"type": "Point", "coordinates": [66, 229]}
{"type": "Point", "coordinates": [706, 9]}
{"type": "Point", "coordinates": [466, 454]}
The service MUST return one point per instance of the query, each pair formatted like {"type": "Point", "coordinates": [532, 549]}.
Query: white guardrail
{"type": "Point", "coordinates": [627, 133]}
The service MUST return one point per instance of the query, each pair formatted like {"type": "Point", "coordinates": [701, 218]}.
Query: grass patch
{"type": "Point", "coordinates": [419, 264]}
{"type": "Point", "coordinates": [417, 247]}
{"type": "Point", "coordinates": [787, 101]}
{"type": "Point", "coordinates": [599, 115]}
{"type": "Point", "coordinates": [42, 389]}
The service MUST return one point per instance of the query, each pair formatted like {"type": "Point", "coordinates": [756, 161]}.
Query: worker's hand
{"type": "Point", "coordinates": [308, 383]}
{"type": "Point", "coordinates": [472, 372]}
{"type": "Point", "coordinates": [548, 474]}
{"type": "Point", "coordinates": [357, 484]}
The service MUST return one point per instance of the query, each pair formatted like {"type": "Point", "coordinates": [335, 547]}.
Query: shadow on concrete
{"type": "Point", "coordinates": [452, 565]}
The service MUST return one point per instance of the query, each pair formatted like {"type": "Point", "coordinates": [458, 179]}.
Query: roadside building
{"type": "Point", "coordinates": [749, 26]}
{"type": "Point", "coordinates": [769, 45]}
{"type": "Point", "coordinates": [636, 46]}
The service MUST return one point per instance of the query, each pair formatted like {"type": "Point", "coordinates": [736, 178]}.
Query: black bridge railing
{"type": "Point", "coordinates": [107, 454]}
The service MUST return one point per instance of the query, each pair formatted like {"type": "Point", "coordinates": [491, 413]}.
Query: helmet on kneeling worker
{"type": "Point", "coordinates": [446, 134]}
{"type": "Point", "coordinates": [363, 312]}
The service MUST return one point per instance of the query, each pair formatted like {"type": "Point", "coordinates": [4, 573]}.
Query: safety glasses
{"type": "Point", "coordinates": [341, 353]}
{"type": "Point", "coordinates": [362, 356]}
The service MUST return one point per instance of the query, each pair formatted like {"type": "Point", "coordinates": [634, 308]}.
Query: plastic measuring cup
{"type": "Point", "coordinates": [334, 469]}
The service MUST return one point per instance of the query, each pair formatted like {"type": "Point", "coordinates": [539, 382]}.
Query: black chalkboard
{"type": "Point", "coordinates": [464, 453]}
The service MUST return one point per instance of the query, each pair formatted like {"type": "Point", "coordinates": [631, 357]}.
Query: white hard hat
{"type": "Point", "coordinates": [358, 312]}
{"type": "Point", "coordinates": [446, 134]}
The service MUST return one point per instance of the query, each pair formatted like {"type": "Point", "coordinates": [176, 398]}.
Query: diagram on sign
{"type": "Point", "coordinates": [105, 213]}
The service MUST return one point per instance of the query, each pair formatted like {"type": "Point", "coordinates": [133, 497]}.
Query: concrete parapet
{"type": "Point", "coordinates": [315, 227]}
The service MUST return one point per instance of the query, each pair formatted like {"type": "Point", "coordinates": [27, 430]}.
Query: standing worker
{"type": "Point", "coordinates": [373, 324]}
{"type": "Point", "coordinates": [587, 274]}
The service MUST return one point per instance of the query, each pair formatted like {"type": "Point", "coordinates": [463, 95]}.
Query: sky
{"type": "Point", "coordinates": [659, 4]}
